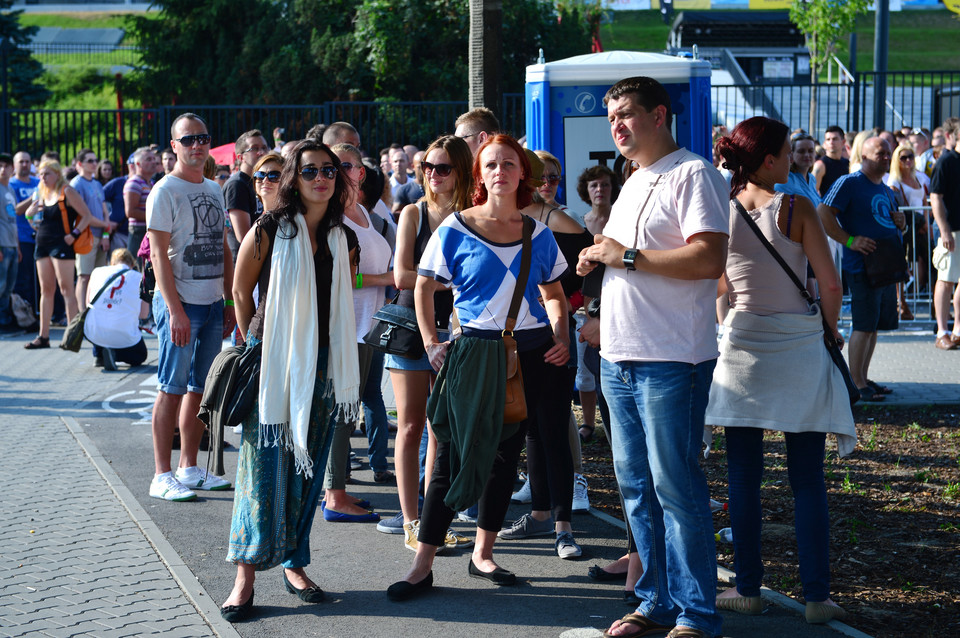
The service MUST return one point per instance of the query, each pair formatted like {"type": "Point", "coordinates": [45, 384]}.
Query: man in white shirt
{"type": "Point", "coordinates": [663, 248]}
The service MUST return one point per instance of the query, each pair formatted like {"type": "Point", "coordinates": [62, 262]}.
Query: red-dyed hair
{"type": "Point", "coordinates": [747, 146]}
{"type": "Point", "coordinates": [524, 190]}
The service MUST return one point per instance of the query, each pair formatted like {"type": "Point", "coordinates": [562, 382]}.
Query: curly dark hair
{"type": "Point", "coordinates": [289, 203]}
{"type": "Point", "coordinates": [596, 172]}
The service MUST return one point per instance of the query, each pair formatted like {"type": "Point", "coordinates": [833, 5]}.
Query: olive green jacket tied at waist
{"type": "Point", "coordinates": [466, 410]}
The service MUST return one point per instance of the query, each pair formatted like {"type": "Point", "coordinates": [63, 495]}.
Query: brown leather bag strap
{"type": "Point", "coordinates": [525, 255]}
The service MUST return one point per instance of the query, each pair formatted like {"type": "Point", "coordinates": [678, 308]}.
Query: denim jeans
{"type": "Point", "coordinates": [8, 279]}
{"type": "Point", "coordinates": [811, 515]}
{"type": "Point", "coordinates": [657, 412]}
{"type": "Point", "coordinates": [375, 414]}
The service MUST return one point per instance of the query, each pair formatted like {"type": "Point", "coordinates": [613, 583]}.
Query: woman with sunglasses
{"type": "Point", "coordinates": [299, 254]}
{"type": "Point", "coordinates": [477, 253]}
{"type": "Point", "coordinates": [266, 179]}
{"type": "Point", "coordinates": [447, 185]}
{"type": "Point", "coordinates": [372, 277]}
{"type": "Point", "coordinates": [911, 189]}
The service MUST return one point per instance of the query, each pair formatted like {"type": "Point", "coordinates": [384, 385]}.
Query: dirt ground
{"type": "Point", "coordinates": [894, 518]}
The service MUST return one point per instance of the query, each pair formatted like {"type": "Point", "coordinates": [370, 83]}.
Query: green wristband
{"type": "Point", "coordinates": [228, 303]}
{"type": "Point", "coordinates": [359, 281]}
{"type": "Point", "coordinates": [850, 241]}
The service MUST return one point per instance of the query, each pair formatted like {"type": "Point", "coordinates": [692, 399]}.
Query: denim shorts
{"type": "Point", "coordinates": [184, 369]}
{"type": "Point", "coordinates": [393, 362]}
{"type": "Point", "coordinates": [872, 308]}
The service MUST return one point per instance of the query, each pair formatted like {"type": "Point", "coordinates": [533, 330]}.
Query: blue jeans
{"type": "Point", "coordinates": [811, 516]}
{"type": "Point", "coordinates": [656, 412]}
{"type": "Point", "coordinates": [375, 414]}
{"type": "Point", "coordinates": [8, 280]}
{"type": "Point", "coordinates": [182, 369]}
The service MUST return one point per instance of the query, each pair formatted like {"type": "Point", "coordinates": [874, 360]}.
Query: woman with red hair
{"type": "Point", "coordinates": [477, 253]}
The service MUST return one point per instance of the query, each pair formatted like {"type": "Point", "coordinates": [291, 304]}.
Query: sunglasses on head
{"type": "Point", "coordinates": [270, 176]}
{"type": "Point", "coordinates": [310, 172]}
{"type": "Point", "coordinates": [553, 180]}
{"type": "Point", "coordinates": [189, 140]}
{"type": "Point", "coordinates": [442, 170]}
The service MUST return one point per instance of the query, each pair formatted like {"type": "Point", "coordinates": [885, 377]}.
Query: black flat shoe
{"type": "Point", "coordinates": [403, 590]}
{"type": "Point", "coordinates": [308, 594]}
{"type": "Point", "coordinates": [499, 576]}
{"type": "Point", "coordinates": [238, 613]}
{"type": "Point", "coordinates": [38, 343]}
{"type": "Point", "coordinates": [600, 574]}
{"type": "Point", "coordinates": [630, 598]}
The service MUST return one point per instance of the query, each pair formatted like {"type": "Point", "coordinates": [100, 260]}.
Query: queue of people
{"type": "Point", "coordinates": [300, 248]}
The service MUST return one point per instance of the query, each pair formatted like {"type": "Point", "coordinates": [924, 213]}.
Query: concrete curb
{"type": "Point", "coordinates": [727, 575]}
{"type": "Point", "coordinates": [188, 583]}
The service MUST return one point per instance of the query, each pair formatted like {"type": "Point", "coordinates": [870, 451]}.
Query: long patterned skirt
{"type": "Point", "coordinates": [273, 506]}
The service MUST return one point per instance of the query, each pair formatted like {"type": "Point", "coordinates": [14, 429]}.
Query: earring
{"type": "Point", "coordinates": [296, 193]}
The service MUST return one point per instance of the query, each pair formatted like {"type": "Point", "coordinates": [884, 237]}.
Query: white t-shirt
{"type": "Point", "coordinates": [375, 255]}
{"type": "Point", "coordinates": [647, 317]}
{"type": "Point", "coordinates": [483, 274]}
{"type": "Point", "coordinates": [194, 215]}
{"type": "Point", "coordinates": [112, 322]}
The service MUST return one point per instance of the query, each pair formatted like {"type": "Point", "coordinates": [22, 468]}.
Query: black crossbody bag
{"type": "Point", "coordinates": [833, 346]}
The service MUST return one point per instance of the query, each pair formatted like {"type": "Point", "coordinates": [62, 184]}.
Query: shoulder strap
{"type": "Point", "coordinates": [773, 251]}
{"type": "Point", "coordinates": [63, 211]}
{"type": "Point", "coordinates": [107, 285]}
{"type": "Point", "coordinates": [422, 218]}
{"type": "Point", "coordinates": [525, 251]}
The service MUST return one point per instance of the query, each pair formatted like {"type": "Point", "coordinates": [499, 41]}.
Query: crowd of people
{"type": "Point", "coordinates": [294, 249]}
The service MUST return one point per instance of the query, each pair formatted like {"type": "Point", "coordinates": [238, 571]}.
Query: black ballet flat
{"type": "Point", "coordinates": [403, 590]}
{"type": "Point", "coordinates": [600, 574]}
{"type": "Point", "coordinates": [308, 594]}
{"type": "Point", "coordinates": [499, 576]}
{"type": "Point", "coordinates": [238, 613]}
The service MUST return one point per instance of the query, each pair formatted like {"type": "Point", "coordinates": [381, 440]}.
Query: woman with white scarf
{"type": "Point", "coordinates": [774, 372]}
{"type": "Point", "coordinates": [300, 255]}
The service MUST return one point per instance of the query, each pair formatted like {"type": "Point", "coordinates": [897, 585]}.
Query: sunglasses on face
{"type": "Point", "coordinates": [222, 177]}
{"type": "Point", "coordinates": [310, 172]}
{"type": "Point", "coordinates": [348, 166]}
{"type": "Point", "coordinates": [270, 176]}
{"type": "Point", "coordinates": [90, 160]}
{"type": "Point", "coordinates": [189, 140]}
{"type": "Point", "coordinates": [553, 180]}
{"type": "Point", "coordinates": [442, 170]}
{"type": "Point", "coordinates": [903, 158]}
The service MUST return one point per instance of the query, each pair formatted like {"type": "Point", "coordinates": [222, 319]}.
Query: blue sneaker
{"type": "Point", "coordinates": [392, 525]}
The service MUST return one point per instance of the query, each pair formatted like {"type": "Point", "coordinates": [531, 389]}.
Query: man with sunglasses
{"type": "Point", "coordinates": [93, 196]}
{"type": "Point", "coordinates": [192, 305]}
{"type": "Point", "coordinates": [238, 193]}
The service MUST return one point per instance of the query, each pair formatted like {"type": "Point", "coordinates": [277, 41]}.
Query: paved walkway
{"type": "Point", "coordinates": [85, 551]}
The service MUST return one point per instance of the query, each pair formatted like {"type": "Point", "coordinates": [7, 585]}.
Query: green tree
{"type": "Point", "coordinates": [23, 72]}
{"type": "Point", "coordinates": [824, 23]}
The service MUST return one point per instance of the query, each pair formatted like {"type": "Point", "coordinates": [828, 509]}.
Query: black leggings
{"type": "Point", "coordinates": [436, 517]}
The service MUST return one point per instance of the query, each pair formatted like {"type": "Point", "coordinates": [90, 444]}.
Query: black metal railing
{"type": "Point", "coordinates": [79, 53]}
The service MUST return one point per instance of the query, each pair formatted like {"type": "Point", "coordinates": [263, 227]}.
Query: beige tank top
{"type": "Point", "coordinates": [757, 283]}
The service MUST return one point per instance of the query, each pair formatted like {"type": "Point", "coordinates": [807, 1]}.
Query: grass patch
{"type": "Point", "coordinates": [111, 20]}
{"type": "Point", "coordinates": [635, 31]}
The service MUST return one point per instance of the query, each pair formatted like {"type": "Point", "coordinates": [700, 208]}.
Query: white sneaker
{"type": "Point", "coordinates": [169, 489]}
{"type": "Point", "coordinates": [581, 500]}
{"type": "Point", "coordinates": [198, 479]}
{"type": "Point", "coordinates": [523, 494]}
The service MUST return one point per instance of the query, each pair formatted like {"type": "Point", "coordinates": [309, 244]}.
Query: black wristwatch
{"type": "Point", "coordinates": [629, 257]}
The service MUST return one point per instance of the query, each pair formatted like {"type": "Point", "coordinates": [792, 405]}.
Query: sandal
{"type": "Point", "coordinates": [38, 343]}
{"type": "Point", "coordinates": [643, 624]}
{"type": "Point", "coordinates": [586, 438]}
{"type": "Point", "coordinates": [879, 389]}
{"type": "Point", "coordinates": [868, 395]}
{"type": "Point", "coordinates": [682, 631]}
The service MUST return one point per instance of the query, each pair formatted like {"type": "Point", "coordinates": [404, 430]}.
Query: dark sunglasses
{"type": "Point", "coordinates": [189, 140]}
{"type": "Point", "coordinates": [440, 169]}
{"type": "Point", "coordinates": [221, 177]}
{"type": "Point", "coordinates": [553, 180]}
{"type": "Point", "coordinates": [906, 157]}
{"type": "Point", "coordinates": [348, 166]}
{"type": "Point", "coordinates": [270, 176]}
{"type": "Point", "coordinates": [310, 172]}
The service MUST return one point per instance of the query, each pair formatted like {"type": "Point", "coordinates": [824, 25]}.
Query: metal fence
{"type": "Point", "coordinates": [59, 53]}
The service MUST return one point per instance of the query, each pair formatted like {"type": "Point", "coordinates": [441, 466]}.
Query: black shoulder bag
{"type": "Point", "coordinates": [833, 346]}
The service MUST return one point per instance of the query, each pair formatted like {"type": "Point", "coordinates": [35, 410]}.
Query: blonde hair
{"type": "Point", "coordinates": [54, 166]}
{"type": "Point", "coordinates": [896, 175]}
{"type": "Point", "coordinates": [546, 156]}
{"type": "Point", "coordinates": [122, 256]}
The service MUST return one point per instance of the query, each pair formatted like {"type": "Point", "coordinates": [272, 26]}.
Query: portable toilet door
{"type": "Point", "coordinates": [565, 114]}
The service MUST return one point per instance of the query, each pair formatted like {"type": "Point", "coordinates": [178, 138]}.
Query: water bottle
{"type": "Point", "coordinates": [716, 506]}
{"type": "Point", "coordinates": [724, 536]}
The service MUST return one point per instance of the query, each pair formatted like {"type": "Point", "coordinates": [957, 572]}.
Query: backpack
{"type": "Point", "coordinates": [82, 244]}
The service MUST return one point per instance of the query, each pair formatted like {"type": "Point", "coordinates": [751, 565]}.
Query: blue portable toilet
{"type": "Point", "coordinates": [565, 114]}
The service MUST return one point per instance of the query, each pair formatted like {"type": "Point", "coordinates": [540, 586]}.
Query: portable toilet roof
{"type": "Point", "coordinates": [609, 67]}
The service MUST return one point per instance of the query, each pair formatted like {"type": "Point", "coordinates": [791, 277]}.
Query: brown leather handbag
{"type": "Point", "coordinates": [515, 403]}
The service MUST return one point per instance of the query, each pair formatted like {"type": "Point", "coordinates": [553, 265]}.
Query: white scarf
{"type": "Point", "coordinates": [290, 342]}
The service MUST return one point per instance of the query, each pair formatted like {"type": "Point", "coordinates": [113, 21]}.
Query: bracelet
{"type": "Point", "coordinates": [850, 241]}
{"type": "Point", "coordinates": [359, 281]}
{"type": "Point", "coordinates": [106, 234]}
{"type": "Point", "coordinates": [75, 233]}
{"type": "Point", "coordinates": [228, 303]}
